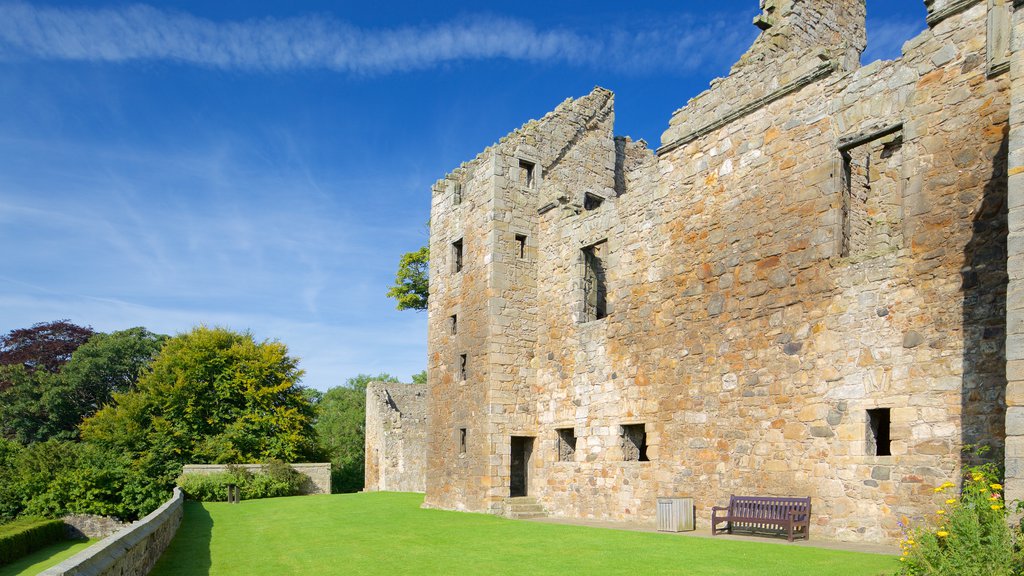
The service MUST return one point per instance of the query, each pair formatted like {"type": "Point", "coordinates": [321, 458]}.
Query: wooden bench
{"type": "Point", "coordinates": [792, 515]}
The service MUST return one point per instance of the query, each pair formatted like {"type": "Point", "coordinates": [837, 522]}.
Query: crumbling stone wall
{"type": "Point", "coordinates": [318, 474]}
{"type": "Point", "coordinates": [396, 437]}
{"type": "Point", "coordinates": [813, 243]}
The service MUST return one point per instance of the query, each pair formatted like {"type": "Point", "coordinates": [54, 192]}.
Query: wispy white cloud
{"type": "Point", "coordinates": [317, 42]}
{"type": "Point", "coordinates": [886, 38]}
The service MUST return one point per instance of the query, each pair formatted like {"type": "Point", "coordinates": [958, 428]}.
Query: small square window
{"type": "Point", "coordinates": [526, 170]}
{"type": "Point", "coordinates": [879, 443]}
{"type": "Point", "coordinates": [457, 255]}
{"type": "Point", "coordinates": [462, 440]}
{"type": "Point", "coordinates": [634, 443]}
{"type": "Point", "coordinates": [462, 367]}
{"type": "Point", "coordinates": [566, 444]}
{"type": "Point", "coordinates": [454, 323]}
{"type": "Point", "coordinates": [592, 201]}
{"type": "Point", "coordinates": [520, 245]}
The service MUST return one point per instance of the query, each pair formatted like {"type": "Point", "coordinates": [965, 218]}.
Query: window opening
{"type": "Point", "coordinates": [521, 245]}
{"type": "Point", "coordinates": [595, 305]}
{"type": "Point", "coordinates": [592, 201]}
{"type": "Point", "coordinates": [457, 255]}
{"type": "Point", "coordinates": [526, 173]}
{"type": "Point", "coordinates": [462, 366]}
{"type": "Point", "coordinates": [454, 323]}
{"type": "Point", "coordinates": [462, 440]}
{"type": "Point", "coordinates": [879, 443]}
{"type": "Point", "coordinates": [872, 203]}
{"type": "Point", "coordinates": [566, 444]}
{"type": "Point", "coordinates": [634, 443]}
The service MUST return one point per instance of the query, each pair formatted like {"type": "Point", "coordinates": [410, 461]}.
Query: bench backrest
{"type": "Point", "coordinates": [767, 507]}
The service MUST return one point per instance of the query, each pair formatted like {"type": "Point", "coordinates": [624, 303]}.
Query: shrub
{"type": "Point", "coordinates": [26, 535]}
{"type": "Point", "coordinates": [275, 479]}
{"type": "Point", "coordinates": [969, 535]}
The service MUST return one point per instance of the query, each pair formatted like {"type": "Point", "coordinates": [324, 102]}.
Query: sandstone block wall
{"type": "Point", "coordinates": [396, 437]}
{"type": "Point", "coordinates": [318, 474]}
{"type": "Point", "coordinates": [131, 550]}
{"type": "Point", "coordinates": [804, 289]}
{"type": "Point", "coordinates": [90, 526]}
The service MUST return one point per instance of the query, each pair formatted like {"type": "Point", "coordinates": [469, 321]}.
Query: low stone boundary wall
{"type": "Point", "coordinates": [318, 474]}
{"type": "Point", "coordinates": [132, 550]}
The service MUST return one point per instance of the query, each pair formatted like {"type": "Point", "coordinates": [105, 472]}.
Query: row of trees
{"type": "Point", "coordinates": [102, 423]}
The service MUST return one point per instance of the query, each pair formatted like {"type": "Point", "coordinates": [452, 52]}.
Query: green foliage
{"type": "Point", "coordinates": [39, 405]}
{"type": "Point", "coordinates": [212, 396]}
{"type": "Point", "coordinates": [969, 534]}
{"type": "Point", "coordinates": [276, 479]}
{"type": "Point", "coordinates": [420, 378]}
{"type": "Point", "coordinates": [341, 427]}
{"type": "Point", "coordinates": [26, 535]}
{"type": "Point", "coordinates": [412, 280]}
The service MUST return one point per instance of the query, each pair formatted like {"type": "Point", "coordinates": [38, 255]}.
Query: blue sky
{"type": "Point", "coordinates": [262, 166]}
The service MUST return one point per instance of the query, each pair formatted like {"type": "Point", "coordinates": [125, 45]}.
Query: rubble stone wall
{"type": "Point", "coordinates": [396, 437]}
{"type": "Point", "coordinates": [809, 256]}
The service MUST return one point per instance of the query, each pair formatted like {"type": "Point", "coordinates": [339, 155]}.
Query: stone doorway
{"type": "Point", "coordinates": [522, 450]}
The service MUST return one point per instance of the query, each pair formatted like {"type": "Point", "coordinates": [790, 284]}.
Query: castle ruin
{"type": "Point", "coordinates": [813, 287]}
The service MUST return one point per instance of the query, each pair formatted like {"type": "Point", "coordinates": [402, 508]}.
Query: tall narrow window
{"type": "Point", "coordinates": [526, 170]}
{"type": "Point", "coordinates": [457, 255]}
{"type": "Point", "coordinates": [453, 321]}
{"type": "Point", "coordinates": [872, 203]}
{"type": "Point", "coordinates": [520, 245]}
{"type": "Point", "coordinates": [457, 193]}
{"type": "Point", "coordinates": [595, 306]}
{"type": "Point", "coordinates": [462, 367]}
{"type": "Point", "coordinates": [566, 444]}
{"type": "Point", "coordinates": [634, 443]}
{"type": "Point", "coordinates": [462, 440]}
{"type": "Point", "coordinates": [879, 443]}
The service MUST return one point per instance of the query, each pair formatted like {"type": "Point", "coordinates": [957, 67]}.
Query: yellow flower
{"type": "Point", "coordinates": [903, 559]}
{"type": "Point", "coordinates": [977, 477]}
{"type": "Point", "coordinates": [939, 489]}
{"type": "Point", "coordinates": [951, 501]}
{"type": "Point", "coordinates": [940, 511]}
{"type": "Point", "coordinates": [948, 484]}
{"type": "Point", "coordinates": [942, 533]}
{"type": "Point", "coordinates": [996, 486]}
{"type": "Point", "coordinates": [995, 506]}
{"type": "Point", "coordinates": [910, 542]}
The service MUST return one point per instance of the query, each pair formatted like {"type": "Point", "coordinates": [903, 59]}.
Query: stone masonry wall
{"type": "Point", "coordinates": [396, 437]}
{"type": "Point", "coordinates": [318, 474]}
{"type": "Point", "coordinates": [132, 550]}
{"type": "Point", "coordinates": [810, 257]}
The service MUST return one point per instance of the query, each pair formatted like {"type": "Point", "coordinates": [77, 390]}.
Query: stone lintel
{"type": "Point", "coordinates": [946, 9]}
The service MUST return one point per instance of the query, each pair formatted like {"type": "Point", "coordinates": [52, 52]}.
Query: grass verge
{"type": "Point", "coordinates": [388, 533]}
{"type": "Point", "coordinates": [44, 558]}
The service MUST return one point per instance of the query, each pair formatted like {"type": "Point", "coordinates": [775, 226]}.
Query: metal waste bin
{"type": "Point", "coordinates": [675, 514]}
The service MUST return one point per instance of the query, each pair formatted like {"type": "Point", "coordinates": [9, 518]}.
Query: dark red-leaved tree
{"type": "Point", "coordinates": [44, 346]}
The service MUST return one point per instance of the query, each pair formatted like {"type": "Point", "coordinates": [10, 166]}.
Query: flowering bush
{"type": "Point", "coordinates": [968, 535]}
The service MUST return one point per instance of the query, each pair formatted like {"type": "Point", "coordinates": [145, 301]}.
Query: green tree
{"type": "Point", "coordinates": [420, 378]}
{"type": "Point", "coordinates": [341, 427]}
{"type": "Point", "coordinates": [210, 396]}
{"type": "Point", "coordinates": [39, 405]}
{"type": "Point", "coordinates": [412, 280]}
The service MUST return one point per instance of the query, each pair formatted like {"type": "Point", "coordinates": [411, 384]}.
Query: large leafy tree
{"type": "Point", "coordinates": [212, 396]}
{"type": "Point", "coordinates": [341, 427]}
{"type": "Point", "coordinates": [39, 405]}
{"type": "Point", "coordinates": [412, 280]}
{"type": "Point", "coordinates": [45, 346]}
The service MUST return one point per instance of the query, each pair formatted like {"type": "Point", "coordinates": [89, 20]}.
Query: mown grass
{"type": "Point", "coordinates": [388, 533]}
{"type": "Point", "coordinates": [44, 558]}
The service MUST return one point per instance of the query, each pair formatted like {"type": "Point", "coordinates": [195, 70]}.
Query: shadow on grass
{"type": "Point", "coordinates": [44, 558]}
{"type": "Point", "coordinates": [189, 552]}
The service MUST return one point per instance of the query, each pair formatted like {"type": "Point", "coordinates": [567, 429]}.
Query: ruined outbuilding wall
{"type": "Point", "coordinates": [817, 250]}
{"type": "Point", "coordinates": [396, 437]}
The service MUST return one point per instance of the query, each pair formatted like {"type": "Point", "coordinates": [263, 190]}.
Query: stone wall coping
{"type": "Point", "coordinates": [100, 558]}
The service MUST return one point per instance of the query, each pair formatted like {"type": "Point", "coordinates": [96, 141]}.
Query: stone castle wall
{"type": "Point", "coordinates": [318, 474]}
{"type": "Point", "coordinates": [396, 437]}
{"type": "Point", "coordinates": [817, 252]}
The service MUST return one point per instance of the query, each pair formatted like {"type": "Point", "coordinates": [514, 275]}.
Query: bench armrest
{"type": "Point", "coordinates": [714, 508]}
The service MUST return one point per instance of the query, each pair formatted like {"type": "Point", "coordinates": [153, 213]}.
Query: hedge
{"type": "Point", "coordinates": [26, 535]}
{"type": "Point", "coordinates": [276, 479]}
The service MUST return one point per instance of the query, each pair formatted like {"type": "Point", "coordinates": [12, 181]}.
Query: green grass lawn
{"type": "Point", "coordinates": [388, 533]}
{"type": "Point", "coordinates": [43, 558]}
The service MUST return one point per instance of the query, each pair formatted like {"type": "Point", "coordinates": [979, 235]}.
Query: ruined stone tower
{"type": "Point", "coordinates": [802, 292]}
